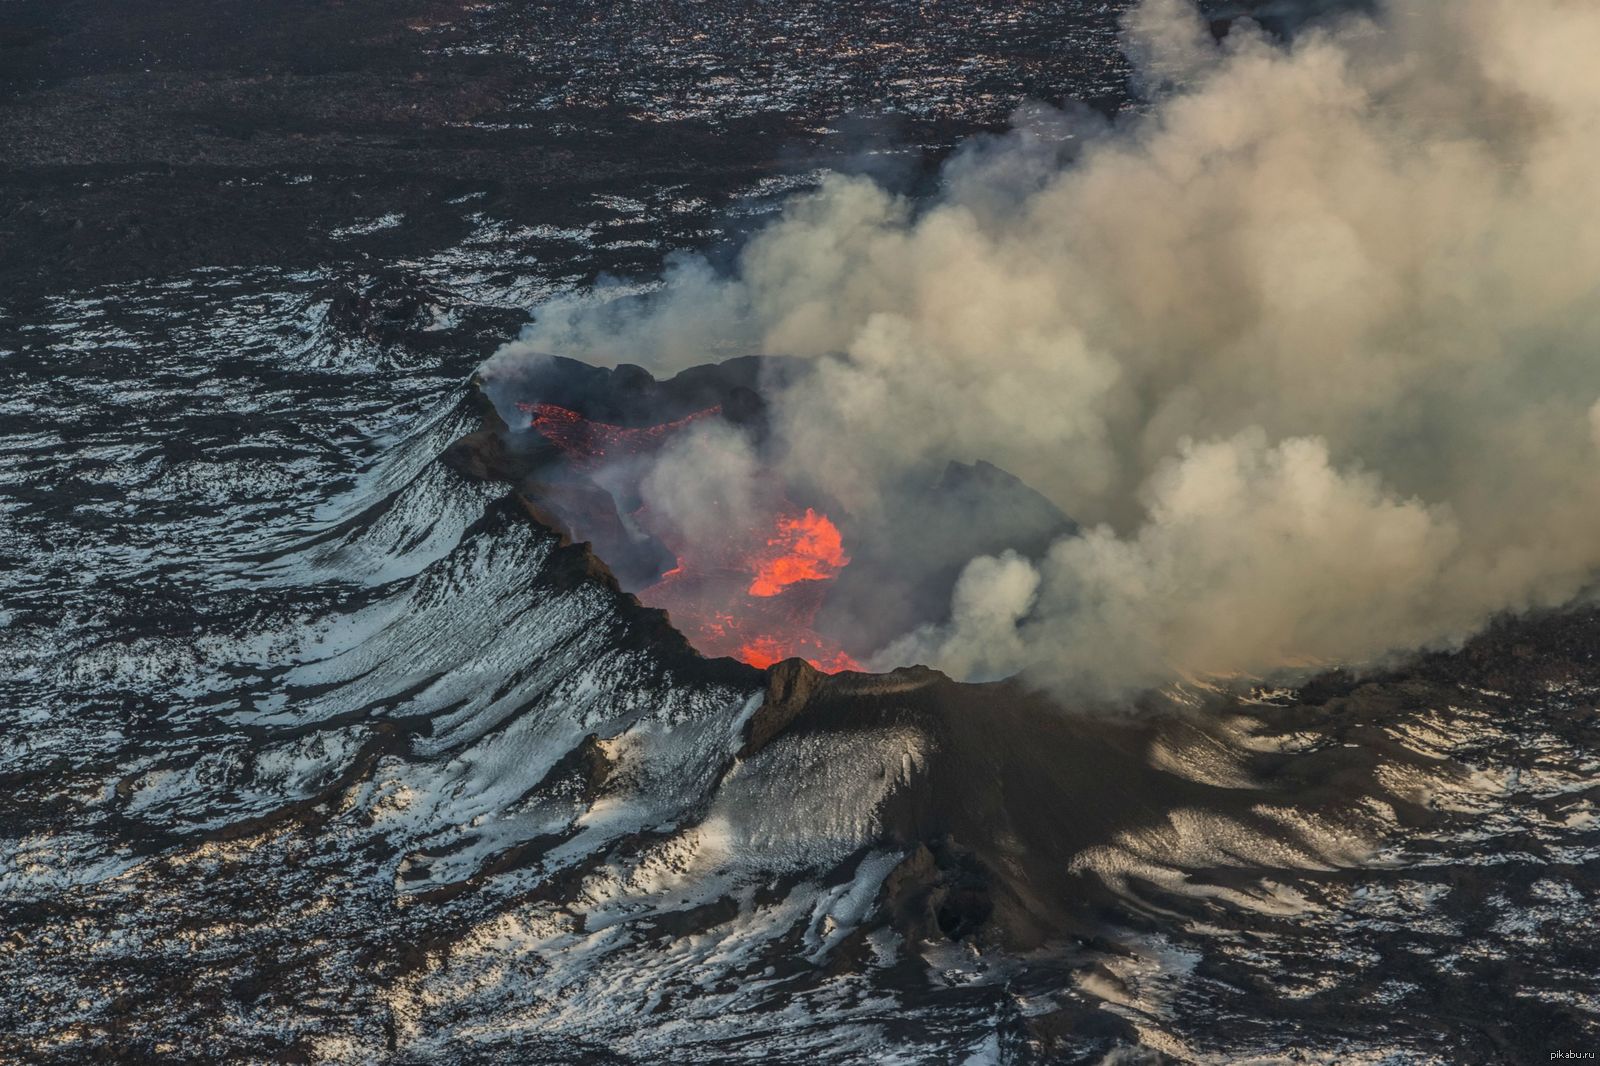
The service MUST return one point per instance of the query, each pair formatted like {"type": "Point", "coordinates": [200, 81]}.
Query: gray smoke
{"type": "Point", "coordinates": [1311, 349]}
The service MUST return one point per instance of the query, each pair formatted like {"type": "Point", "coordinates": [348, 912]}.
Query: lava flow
{"type": "Point", "coordinates": [808, 548]}
{"type": "Point", "coordinates": [754, 592]}
{"type": "Point", "coordinates": [590, 445]}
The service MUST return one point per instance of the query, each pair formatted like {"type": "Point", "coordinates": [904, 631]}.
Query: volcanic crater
{"type": "Point", "coordinates": [765, 570]}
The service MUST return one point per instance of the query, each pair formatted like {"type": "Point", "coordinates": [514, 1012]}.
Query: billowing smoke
{"type": "Point", "coordinates": [1311, 349]}
{"type": "Point", "coordinates": [704, 483]}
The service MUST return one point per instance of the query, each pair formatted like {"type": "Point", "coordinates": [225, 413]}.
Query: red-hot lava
{"type": "Point", "coordinates": [804, 547]}
{"type": "Point", "coordinates": [753, 593]}
{"type": "Point", "coordinates": [590, 445]}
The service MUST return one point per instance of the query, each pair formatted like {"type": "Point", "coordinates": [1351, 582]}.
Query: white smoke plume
{"type": "Point", "coordinates": [1311, 348]}
{"type": "Point", "coordinates": [704, 483]}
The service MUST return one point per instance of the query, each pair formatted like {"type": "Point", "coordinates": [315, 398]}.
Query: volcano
{"type": "Point", "coordinates": [352, 715]}
{"type": "Point", "coordinates": [1076, 838]}
{"type": "Point", "coordinates": [752, 579]}
{"type": "Point", "coordinates": [769, 571]}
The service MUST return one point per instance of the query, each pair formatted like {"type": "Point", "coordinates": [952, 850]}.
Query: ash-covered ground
{"type": "Point", "coordinates": [315, 748]}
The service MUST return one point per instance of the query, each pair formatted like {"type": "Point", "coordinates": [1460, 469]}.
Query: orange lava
{"type": "Point", "coordinates": [764, 651]}
{"type": "Point", "coordinates": [589, 444]}
{"type": "Point", "coordinates": [753, 594]}
{"type": "Point", "coordinates": [808, 548]}
{"type": "Point", "coordinates": [708, 596]}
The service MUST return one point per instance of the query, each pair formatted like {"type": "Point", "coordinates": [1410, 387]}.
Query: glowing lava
{"type": "Point", "coordinates": [808, 547]}
{"type": "Point", "coordinates": [590, 445]}
{"type": "Point", "coordinates": [764, 651]}
{"type": "Point", "coordinates": [752, 594]}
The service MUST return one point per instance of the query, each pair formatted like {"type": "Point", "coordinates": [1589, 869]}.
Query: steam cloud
{"type": "Point", "coordinates": [1310, 348]}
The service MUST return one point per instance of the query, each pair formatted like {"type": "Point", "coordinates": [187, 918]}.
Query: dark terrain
{"type": "Point", "coordinates": [245, 134]}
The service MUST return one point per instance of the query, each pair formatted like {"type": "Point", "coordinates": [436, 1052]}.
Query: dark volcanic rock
{"type": "Point", "coordinates": [394, 306]}
{"type": "Point", "coordinates": [790, 685]}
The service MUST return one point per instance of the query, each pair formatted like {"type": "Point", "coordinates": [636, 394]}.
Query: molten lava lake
{"type": "Point", "coordinates": [750, 588]}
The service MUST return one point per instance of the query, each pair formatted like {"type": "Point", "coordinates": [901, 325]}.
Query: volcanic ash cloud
{"type": "Point", "coordinates": [1310, 348]}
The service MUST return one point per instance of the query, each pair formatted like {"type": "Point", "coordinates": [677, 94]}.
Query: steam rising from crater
{"type": "Point", "coordinates": [1312, 349]}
